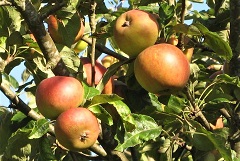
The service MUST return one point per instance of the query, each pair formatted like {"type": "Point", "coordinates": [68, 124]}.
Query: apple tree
{"type": "Point", "coordinates": [191, 112]}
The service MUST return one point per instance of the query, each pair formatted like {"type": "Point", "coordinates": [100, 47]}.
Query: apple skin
{"type": "Point", "coordinates": [54, 32]}
{"type": "Point", "coordinates": [77, 129]}
{"type": "Point", "coordinates": [162, 68]}
{"type": "Point", "coordinates": [108, 60]}
{"type": "Point", "coordinates": [99, 72]}
{"type": "Point", "coordinates": [57, 94]}
{"type": "Point", "coordinates": [135, 30]}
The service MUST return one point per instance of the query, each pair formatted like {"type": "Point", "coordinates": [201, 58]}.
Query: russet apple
{"type": "Point", "coordinates": [135, 30]}
{"type": "Point", "coordinates": [99, 72]}
{"type": "Point", "coordinates": [162, 68]}
{"type": "Point", "coordinates": [56, 94]}
{"type": "Point", "coordinates": [53, 29]}
{"type": "Point", "coordinates": [76, 129]}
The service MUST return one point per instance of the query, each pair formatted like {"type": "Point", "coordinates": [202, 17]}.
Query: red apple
{"type": "Point", "coordinates": [99, 72]}
{"type": "Point", "coordinates": [162, 68]}
{"type": "Point", "coordinates": [135, 30]}
{"type": "Point", "coordinates": [53, 29]}
{"type": "Point", "coordinates": [57, 94]}
{"type": "Point", "coordinates": [77, 129]}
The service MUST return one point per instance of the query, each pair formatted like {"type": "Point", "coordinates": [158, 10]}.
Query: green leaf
{"type": "Point", "coordinates": [11, 80]}
{"type": "Point", "coordinates": [20, 147]}
{"type": "Point", "coordinates": [215, 42]}
{"type": "Point", "coordinates": [122, 109]}
{"type": "Point", "coordinates": [175, 105]}
{"type": "Point", "coordinates": [89, 92]}
{"type": "Point", "coordinates": [45, 149]}
{"type": "Point", "coordinates": [206, 140]}
{"type": "Point", "coordinates": [5, 130]}
{"type": "Point", "coordinates": [146, 129]}
{"type": "Point", "coordinates": [70, 58]}
{"type": "Point", "coordinates": [186, 29]}
{"type": "Point", "coordinates": [40, 128]}
{"type": "Point", "coordinates": [18, 117]}
{"type": "Point", "coordinates": [102, 114]}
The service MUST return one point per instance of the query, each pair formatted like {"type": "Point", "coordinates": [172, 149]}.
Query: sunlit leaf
{"type": "Point", "coordinates": [146, 129]}
{"type": "Point", "coordinates": [102, 114]}
{"type": "Point", "coordinates": [40, 128]}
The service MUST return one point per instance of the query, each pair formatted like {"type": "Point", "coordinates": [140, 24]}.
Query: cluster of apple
{"type": "Point", "coordinates": [157, 67]}
{"type": "Point", "coordinates": [60, 98]}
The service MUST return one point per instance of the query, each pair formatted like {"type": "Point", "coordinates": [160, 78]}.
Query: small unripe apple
{"type": "Point", "coordinates": [135, 30]}
{"type": "Point", "coordinates": [55, 33]}
{"type": "Point", "coordinates": [80, 46]}
{"type": "Point", "coordinates": [57, 94]}
{"type": "Point", "coordinates": [99, 72]}
{"type": "Point", "coordinates": [162, 68]}
{"type": "Point", "coordinates": [76, 129]}
{"type": "Point", "coordinates": [108, 60]}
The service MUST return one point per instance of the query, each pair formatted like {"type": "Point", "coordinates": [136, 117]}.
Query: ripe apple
{"type": "Point", "coordinates": [162, 68]}
{"type": "Point", "coordinates": [57, 94]}
{"type": "Point", "coordinates": [135, 30]}
{"type": "Point", "coordinates": [55, 33]}
{"type": "Point", "coordinates": [77, 129]}
{"type": "Point", "coordinates": [80, 46]}
{"type": "Point", "coordinates": [99, 72]}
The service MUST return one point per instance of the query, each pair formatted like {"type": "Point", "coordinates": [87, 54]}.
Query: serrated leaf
{"type": "Point", "coordinates": [69, 57]}
{"type": "Point", "coordinates": [215, 42]}
{"type": "Point", "coordinates": [175, 105]}
{"type": "Point", "coordinates": [40, 128]}
{"type": "Point", "coordinates": [186, 29]}
{"type": "Point", "coordinates": [5, 130]}
{"type": "Point", "coordinates": [20, 147]}
{"type": "Point", "coordinates": [11, 80]}
{"type": "Point", "coordinates": [89, 92]}
{"type": "Point", "coordinates": [102, 114]}
{"type": "Point", "coordinates": [18, 117]}
{"type": "Point", "coordinates": [146, 129]}
{"type": "Point", "coordinates": [46, 152]}
{"type": "Point", "coordinates": [217, 141]}
{"type": "Point", "coordinates": [122, 109]}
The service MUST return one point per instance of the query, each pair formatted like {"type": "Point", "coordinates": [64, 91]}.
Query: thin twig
{"type": "Point", "coordinates": [182, 18]}
{"type": "Point", "coordinates": [54, 9]}
{"type": "Point", "coordinates": [104, 49]}
{"type": "Point", "coordinates": [92, 19]}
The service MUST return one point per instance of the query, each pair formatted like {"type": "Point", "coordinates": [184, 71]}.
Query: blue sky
{"type": "Point", "coordinates": [16, 72]}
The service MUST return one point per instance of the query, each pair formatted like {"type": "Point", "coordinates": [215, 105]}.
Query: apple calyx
{"type": "Point", "coordinates": [126, 24]}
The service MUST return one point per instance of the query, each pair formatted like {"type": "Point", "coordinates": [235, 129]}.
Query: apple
{"type": "Point", "coordinates": [108, 60]}
{"type": "Point", "coordinates": [56, 94]}
{"type": "Point", "coordinates": [99, 72]}
{"type": "Point", "coordinates": [135, 30]}
{"type": "Point", "coordinates": [80, 46]}
{"type": "Point", "coordinates": [162, 68]}
{"type": "Point", "coordinates": [55, 33]}
{"type": "Point", "coordinates": [76, 129]}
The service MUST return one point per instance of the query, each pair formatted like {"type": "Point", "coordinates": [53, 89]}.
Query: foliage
{"type": "Point", "coordinates": [148, 126]}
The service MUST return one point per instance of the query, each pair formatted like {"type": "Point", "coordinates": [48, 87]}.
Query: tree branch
{"type": "Point", "coordinates": [44, 40]}
{"type": "Point", "coordinates": [104, 49]}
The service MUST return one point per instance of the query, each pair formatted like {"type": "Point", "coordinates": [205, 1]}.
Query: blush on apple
{"type": "Point", "coordinates": [57, 94]}
{"type": "Point", "coordinates": [162, 67]}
